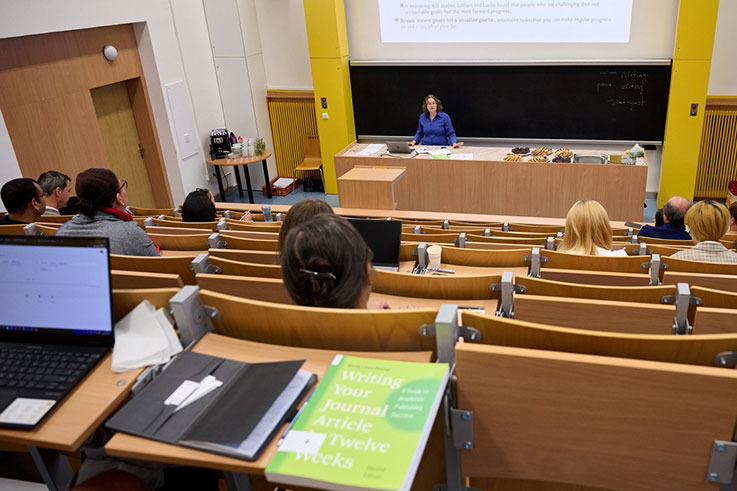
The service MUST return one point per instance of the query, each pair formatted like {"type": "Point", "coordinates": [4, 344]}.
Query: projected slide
{"type": "Point", "coordinates": [418, 21]}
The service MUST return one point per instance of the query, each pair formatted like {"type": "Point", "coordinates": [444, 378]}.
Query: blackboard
{"type": "Point", "coordinates": [566, 102]}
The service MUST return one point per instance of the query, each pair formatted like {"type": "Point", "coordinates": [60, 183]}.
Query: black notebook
{"type": "Point", "coordinates": [236, 419]}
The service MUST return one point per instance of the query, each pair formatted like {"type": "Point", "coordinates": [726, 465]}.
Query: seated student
{"type": "Point", "coordinates": [24, 201]}
{"type": "Point", "coordinates": [588, 231]}
{"type": "Point", "coordinates": [326, 263]}
{"type": "Point", "coordinates": [673, 212]}
{"type": "Point", "coordinates": [102, 202]}
{"type": "Point", "coordinates": [57, 188]}
{"type": "Point", "coordinates": [659, 221]}
{"type": "Point", "coordinates": [71, 207]}
{"type": "Point", "coordinates": [708, 221]}
{"type": "Point", "coordinates": [198, 207]}
{"type": "Point", "coordinates": [300, 213]}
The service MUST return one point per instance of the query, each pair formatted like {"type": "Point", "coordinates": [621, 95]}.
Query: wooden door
{"type": "Point", "coordinates": [122, 143]}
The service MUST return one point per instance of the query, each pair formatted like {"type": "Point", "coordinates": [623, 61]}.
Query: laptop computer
{"type": "Point", "coordinates": [384, 238]}
{"type": "Point", "coordinates": [55, 320]}
{"type": "Point", "coordinates": [398, 147]}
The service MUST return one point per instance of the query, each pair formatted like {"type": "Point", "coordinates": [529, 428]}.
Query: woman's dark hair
{"type": "Point", "coordinates": [71, 207]}
{"type": "Point", "coordinates": [300, 213]}
{"type": "Point", "coordinates": [437, 101]}
{"type": "Point", "coordinates": [198, 207]}
{"type": "Point", "coordinates": [324, 262]}
{"type": "Point", "coordinates": [659, 222]}
{"type": "Point", "coordinates": [96, 190]}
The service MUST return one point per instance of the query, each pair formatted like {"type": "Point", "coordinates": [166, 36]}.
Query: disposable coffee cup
{"type": "Point", "coordinates": [433, 256]}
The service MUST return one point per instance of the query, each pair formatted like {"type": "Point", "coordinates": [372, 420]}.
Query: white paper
{"type": "Point", "coordinates": [184, 390]}
{"type": "Point", "coordinates": [207, 385]}
{"type": "Point", "coordinates": [26, 411]}
{"type": "Point", "coordinates": [370, 149]}
{"type": "Point", "coordinates": [426, 150]}
{"type": "Point", "coordinates": [461, 156]}
{"type": "Point", "coordinates": [306, 442]}
{"type": "Point", "coordinates": [440, 151]}
{"type": "Point", "coordinates": [282, 182]}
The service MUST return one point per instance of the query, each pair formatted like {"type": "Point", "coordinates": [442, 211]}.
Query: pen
{"type": "Point", "coordinates": [440, 270]}
{"type": "Point", "coordinates": [291, 423]}
{"type": "Point", "coordinates": [470, 307]}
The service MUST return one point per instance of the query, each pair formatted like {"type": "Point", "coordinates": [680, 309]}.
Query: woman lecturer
{"type": "Point", "coordinates": [435, 127]}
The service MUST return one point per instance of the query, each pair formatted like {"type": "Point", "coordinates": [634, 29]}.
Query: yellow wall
{"type": "Point", "coordinates": [689, 84]}
{"type": "Point", "coordinates": [328, 42]}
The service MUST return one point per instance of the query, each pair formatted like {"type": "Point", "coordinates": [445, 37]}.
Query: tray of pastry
{"type": "Point", "coordinates": [539, 158]}
{"type": "Point", "coordinates": [524, 151]}
{"type": "Point", "coordinates": [542, 151]}
{"type": "Point", "coordinates": [512, 157]}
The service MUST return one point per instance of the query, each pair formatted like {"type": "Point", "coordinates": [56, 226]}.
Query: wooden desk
{"type": "Point", "coordinates": [487, 184]}
{"type": "Point", "coordinates": [242, 161]}
{"type": "Point", "coordinates": [316, 361]}
{"type": "Point", "coordinates": [370, 187]}
{"type": "Point", "coordinates": [78, 415]}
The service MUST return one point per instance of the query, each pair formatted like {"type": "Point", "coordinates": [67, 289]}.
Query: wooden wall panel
{"type": "Point", "coordinates": [45, 83]}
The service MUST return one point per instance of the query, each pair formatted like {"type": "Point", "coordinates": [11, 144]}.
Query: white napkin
{"type": "Point", "coordinates": [144, 337]}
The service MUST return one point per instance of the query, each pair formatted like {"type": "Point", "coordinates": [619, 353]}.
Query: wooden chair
{"type": "Point", "coordinates": [452, 230]}
{"type": "Point", "coordinates": [312, 158]}
{"type": "Point", "coordinates": [231, 241]}
{"type": "Point", "coordinates": [181, 242]}
{"type": "Point", "coordinates": [126, 300]}
{"type": "Point", "coordinates": [488, 258]}
{"type": "Point", "coordinates": [562, 260]}
{"type": "Point", "coordinates": [181, 265]}
{"type": "Point", "coordinates": [129, 280]}
{"type": "Point", "coordinates": [150, 212]}
{"type": "Point", "coordinates": [249, 234]}
{"type": "Point", "coordinates": [715, 298]}
{"type": "Point", "coordinates": [262, 226]}
{"type": "Point", "coordinates": [46, 229]}
{"type": "Point", "coordinates": [12, 229]}
{"type": "Point", "coordinates": [722, 282]}
{"type": "Point", "coordinates": [532, 241]}
{"type": "Point", "coordinates": [255, 288]}
{"type": "Point", "coordinates": [684, 265]}
{"type": "Point", "coordinates": [671, 242]}
{"type": "Point", "coordinates": [246, 256]}
{"type": "Point", "coordinates": [644, 294]}
{"type": "Point", "coordinates": [475, 224]}
{"type": "Point", "coordinates": [430, 238]}
{"type": "Point", "coordinates": [441, 287]}
{"type": "Point", "coordinates": [173, 230]}
{"type": "Point", "coordinates": [663, 250]}
{"type": "Point", "coordinates": [589, 420]}
{"type": "Point", "coordinates": [176, 223]}
{"type": "Point", "coordinates": [238, 268]}
{"type": "Point", "coordinates": [60, 219]}
{"type": "Point", "coordinates": [322, 328]}
{"type": "Point", "coordinates": [548, 229]}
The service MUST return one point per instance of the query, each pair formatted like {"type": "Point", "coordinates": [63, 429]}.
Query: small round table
{"type": "Point", "coordinates": [236, 162]}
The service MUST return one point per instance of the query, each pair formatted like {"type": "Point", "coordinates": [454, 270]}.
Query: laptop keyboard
{"type": "Point", "coordinates": [47, 368]}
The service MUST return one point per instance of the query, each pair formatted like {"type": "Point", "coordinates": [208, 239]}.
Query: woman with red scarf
{"type": "Point", "coordinates": [101, 207]}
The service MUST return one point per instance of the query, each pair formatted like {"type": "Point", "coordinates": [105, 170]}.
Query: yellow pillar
{"type": "Point", "coordinates": [328, 43]}
{"type": "Point", "coordinates": [689, 83]}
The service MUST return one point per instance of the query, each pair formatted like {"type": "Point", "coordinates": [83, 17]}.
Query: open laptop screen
{"type": "Point", "coordinates": [383, 237]}
{"type": "Point", "coordinates": [55, 289]}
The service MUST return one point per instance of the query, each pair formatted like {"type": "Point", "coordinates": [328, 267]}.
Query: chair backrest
{"type": "Point", "coordinates": [47, 229]}
{"type": "Point", "coordinates": [491, 258]}
{"type": "Point", "coordinates": [723, 282]}
{"type": "Point", "coordinates": [128, 280]}
{"type": "Point", "coordinates": [311, 147]}
{"type": "Point", "coordinates": [430, 238]}
{"type": "Point", "coordinates": [475, 224]}
{"type": "Point", "coordinates": [254, 226]}
{"type": "Point", "coordinates": [238, 268]}
{"type": "Point", "coordinates": [181, 242]}
{"type": "Point", "coordinates": [442, 287]}
{"type": "Point", "coordinates": [126, 300]}
{"type": "Point", "coordinates": [60, 219]}
{"type": "Point", "coordinates": [181, 265]}
{"type": "Point", "coordinates": [524, 227]}
{"type": "Point", "coordinates": [671, 242]}
{"type": "Point", "coordinates": [452, 230]}
{"type": "Point", "coordinates": [151, 212]}
{"type": "Point", "coordinates": [255, 288]}
{"type": "Point", "coordinates": [684, 265]}
{"type": "Point", "coordinates": [246, 256]}
{"type": "Point", "coordinates": [533, 241]}
{"type": "Point", "coordinates": [314, 327]}
{"type": "Point", "coordinates": [176, 223]}
{"type": "Point", "coordinates": [663, 250]}
{"type": "Point", "coordinates": [645, 294]}
{"type": "Point", "coordinates": [496, 246]}
{"type": "Point", "coordinates": [12, 229]}
{"type": "Point", "coordinates": [613, 423]}
{"type": "Point", "coordinates": [233, 242]}
{"type": "Point", "coordinates": [715, 298]}
{"type": "Point", "coordinates": [174, 230]}
{"type": "Point", "coordinates": [253, 234]}
{"type": "Point", "coordinates": [523, 235]}
{"type": "Point", "coordinates": [562, 260]}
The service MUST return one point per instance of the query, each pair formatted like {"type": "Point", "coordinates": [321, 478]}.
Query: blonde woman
{"type": "Point", "coordinates": [588, 231]}
{"type": "Point", "coordinates": [707, 221]}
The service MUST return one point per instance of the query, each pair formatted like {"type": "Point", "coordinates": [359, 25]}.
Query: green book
{"type": "Point", "coordinates": [364, 427]}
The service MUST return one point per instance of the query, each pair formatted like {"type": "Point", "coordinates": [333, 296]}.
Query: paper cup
{"type": "Point", "coordinates": [433, 256]}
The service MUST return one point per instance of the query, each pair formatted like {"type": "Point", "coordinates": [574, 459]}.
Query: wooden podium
{"type": "Point", "coordinates": [370, 187]}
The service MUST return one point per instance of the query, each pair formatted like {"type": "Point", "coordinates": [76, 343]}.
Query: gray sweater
{"type": "Point", "coordinates": [126, 238]}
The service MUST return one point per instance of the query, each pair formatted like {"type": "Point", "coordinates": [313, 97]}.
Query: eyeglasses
{"type": "Point", "coordinates": [202, 190]}
{"type": "Point", "coordinates": [123, 185]}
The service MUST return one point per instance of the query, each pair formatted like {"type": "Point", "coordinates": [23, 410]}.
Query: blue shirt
{"type": "Point", "coordinates": [665, 231]}
{"type": "Point", "coordinates": [436, 131]}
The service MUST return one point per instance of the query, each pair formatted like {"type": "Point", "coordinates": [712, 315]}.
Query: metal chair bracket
{"type": "Point", "coordinates": [535, 260]}
{"type": "Point", "coordinates": [722, 462]}
{"type": "Point", "coordinates": [461, 428]}
{"type": "Point", "coordinates": [726, 359]}
{"type": "Point", "coordinates": [508, 289]}
{"type": "Point", "coordinates": [683, 301]}
{"type": "Point", "coordinates": [467, 333]}
{"type": "Point", "coordinates": [461, 240]}
{"type": "Point", "coordinates": [655, 267]}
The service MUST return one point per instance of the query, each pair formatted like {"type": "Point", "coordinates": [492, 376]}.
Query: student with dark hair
{"type": "Point", "coordinates": [57, 188]}
{"type": "Point", "coordinates": [299, 213]}
{"type": "Point", "coordinates": [24, 201]}
{"type": "Point", "coordinates": [326, 263]}
{"type": "Point", "coordinates": [102, 202]}
{"type": "Point", "coordinates": [659, 222]}
{"type": "Point", "coordinates": [198, 207]}
{"type": "Point", "coordinates": [673, 228]}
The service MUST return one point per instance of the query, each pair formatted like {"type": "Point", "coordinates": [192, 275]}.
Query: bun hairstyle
{"type": "Point", "coordinates": [437, 101]}
{"type": "Point", "coordinates": [324, 263]}
{"type": "Point", "coordinates": [96, 190]}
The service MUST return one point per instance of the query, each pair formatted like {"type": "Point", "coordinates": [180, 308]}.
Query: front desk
{"type": "Point", "coordinates": [488, 185]}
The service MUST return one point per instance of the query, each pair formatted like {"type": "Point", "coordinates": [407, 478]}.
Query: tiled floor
{"type": "Point", "coordinates": [651, 205]}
